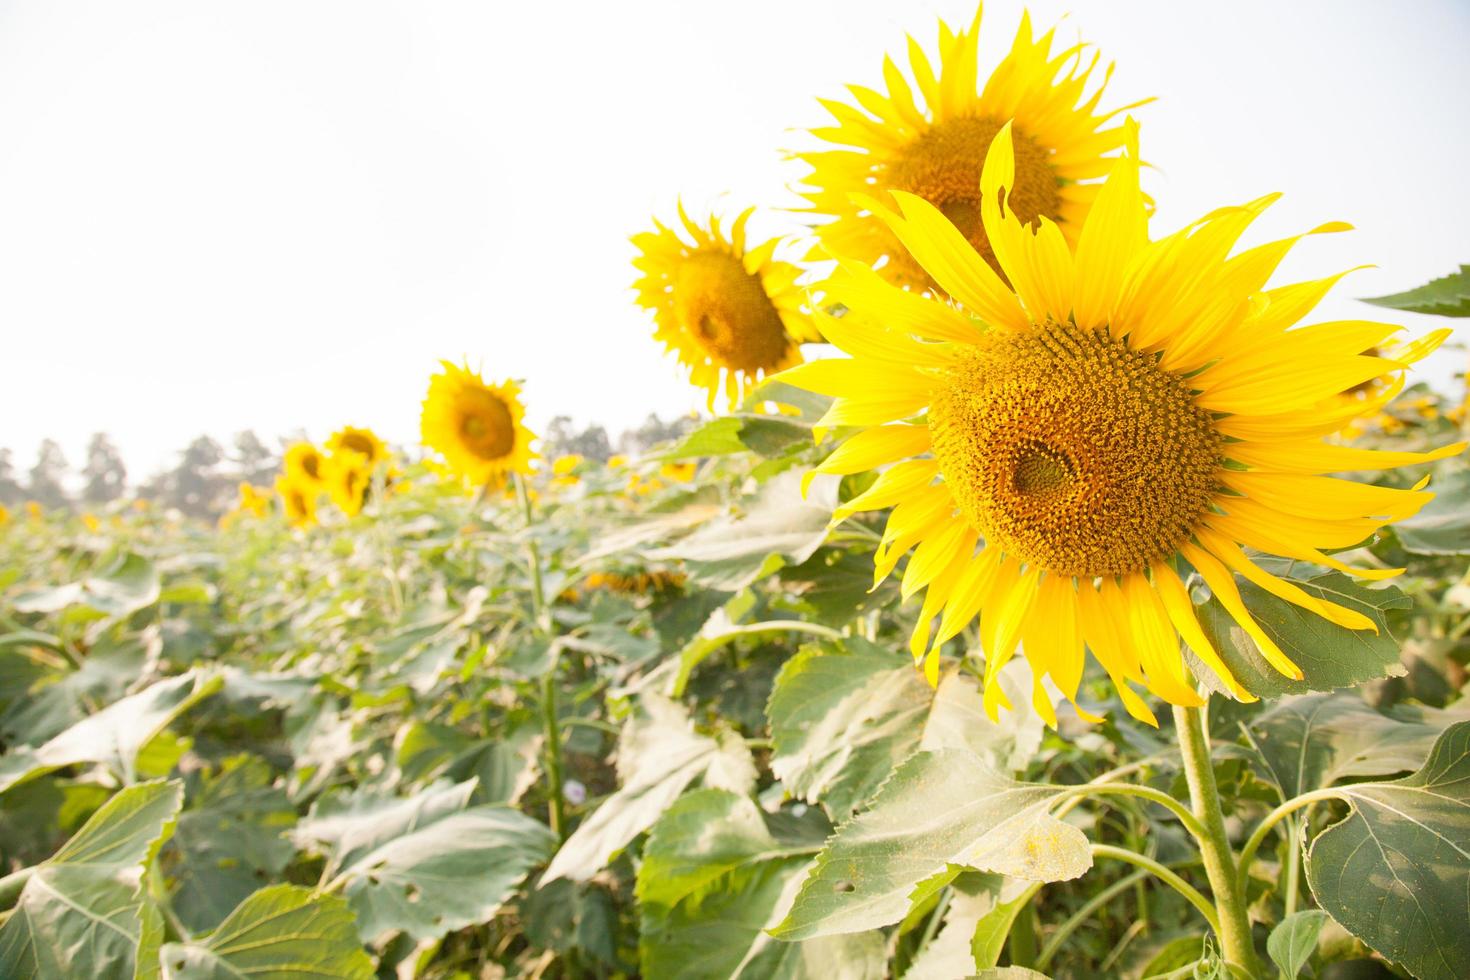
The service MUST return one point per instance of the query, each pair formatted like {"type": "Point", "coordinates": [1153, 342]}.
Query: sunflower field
{"type": "Point", "coordinates": [1087, 608]}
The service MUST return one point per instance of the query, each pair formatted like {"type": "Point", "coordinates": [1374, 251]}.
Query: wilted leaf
{"type": "Point", "coordinates": [1295, 937]}
{"type": "Point", "coordinates": [114, 736]}
{"type": "Point", "coordinates": [426, 864]}
{"type": "Point", "coordinates": [282, 931]}
{"type": "Point", "coordinates": [1446, 296]}
{"type": "Point", "coordinates": [1396, 872]}
{"type": "Point", "coordinates": [938, 809]}
{"type": "Point", "coordinates": [82, 912]}
{"type": "Point", "coordinates": [1330, 656]}
{"type": "Point", "coordinates": [658, 756]}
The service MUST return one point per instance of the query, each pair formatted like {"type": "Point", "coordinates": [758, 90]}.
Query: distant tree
{"type": "Point", "coordinates": [11, 492]}
{"type": "Point", "coordinates": [563, 438]}
{"type": "Point", "coordinates": [47, 480]}
{"type": "Point", "coordinates": [196, 486]}
{"type": "Point", "coordinates": [254, 463]}
{"type": "Point", "coordinates": [653, 431]}
{"type": "Point", "coordinates": [104, 474]}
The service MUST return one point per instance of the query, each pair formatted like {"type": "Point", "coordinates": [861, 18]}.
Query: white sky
{"type": "Point", "coordinates": [279, 214]}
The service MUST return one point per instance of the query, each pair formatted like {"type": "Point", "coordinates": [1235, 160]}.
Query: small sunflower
{"type": "Point", "coordinates": [305, 463]}
{"type": "Point", "coordinates": [935, 147]}
{"type": "Point", "coordinates": [298, 499]}
{"type": "Point", "coordinates": [365, 442]}
{"type": "Point", "coordinates": [253, 500]}
{"type": "Point", "coordinates": [478, 428]}
{"type": "Point", "coordinates": [1135, 409]}
{"type": "Point", "coordinates": [731, 315]}
{"type": "Point", "coordinates": [349, 477]}
{"type": "Point", "coordinates": [4, 515]}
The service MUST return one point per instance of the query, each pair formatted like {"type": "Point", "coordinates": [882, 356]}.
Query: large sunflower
{"type": "Point", "coordinates": [1066, 453]}
{"type": "Point", "coordinates": [731, 315]}
{"type": "Point", "coordinates": [934, 147]}
{"type": "Point", "coordinates": [478, 428]}
{"type": "Point", "coordinates": [364, 442]}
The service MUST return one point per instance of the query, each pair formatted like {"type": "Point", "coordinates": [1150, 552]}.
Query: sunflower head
{"type": "Point", "coordinates": [305, 463]}
{"type": "Point", "coordinates": [298, 500]}
{"type": "Point", "coordinates": [4, 515]}
{"type": "Point", "coordinates": [930, 139]}
{"type": "Point", "coordinates": [478, 428]}
{"type": "Point", "coordinates": [364, 442]}
{"type": "Point", "coordinates": [730, 314]}
{"type": "Point", "coordinates": [349, 478]}
{"type": "Point", "coordinates": [1071, 444]}
{"type": "Point", "coordinates": [253, 500]}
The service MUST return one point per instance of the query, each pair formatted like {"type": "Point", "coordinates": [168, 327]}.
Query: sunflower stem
{"type": "Point", "coordinates": [1226, 887]}
{"type": "Point", "coordinates": [541, 626]}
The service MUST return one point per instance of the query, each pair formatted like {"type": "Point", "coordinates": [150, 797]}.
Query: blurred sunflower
{"type": "Point", "coordinates": [349, 477]}
{"type": "Point", "coordinates": [92, 522]}
{"type": "Point", "coordinates": [4, 515]}
{"type": "Point", "coordinates": [478, 428]}
{"type": "Point", "coordinates": [365, 442]}
{"type": "Point", "coordinates": [1134, 407]}
{"type": "Point", "coordinates": [731, 315]}
{"type": "Point", "coordinates": [34, 511]}
{"type": "Point", "coordinates": [298, 499]}
{"type": "Point", "coordinates": [564, 470]}
{"type": "Point", "coordinates": [305, 463]}
{"type": "Point", "coordinates": [253, 500]}
{"type": "Point", "coordinates": [935, 147]}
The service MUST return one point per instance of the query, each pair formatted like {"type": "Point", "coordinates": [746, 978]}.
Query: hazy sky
{"type": "Point", "coordinates": [278, 215]}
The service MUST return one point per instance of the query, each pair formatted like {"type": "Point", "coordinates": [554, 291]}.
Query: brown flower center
{"type": "Point", "coordinates": [485, 424]}
{"type": "Point", "coordinates": [1073, 452]}
{"type": "Point", "coordinates": [727, 312]}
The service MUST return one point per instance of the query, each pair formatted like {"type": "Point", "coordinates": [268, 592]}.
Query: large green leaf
{"type": "Point", "coordinates": [83, 912]}
{"type": "Point", "coordinates": [1314, 740]}
{"type": "Point", "coordinates": [114, 736]}
{"type": "Point", "coordinates": [842, 718]}
{"type": "Point", "coordinates": [768, 435]}
{"type": "Point", "coordinates": [659, 755]}
{"type": "Point", "coordinates": [714, 877]}
{"type": "Point", "coordinates": [129, 583]}
{"type": "Point", "coordinates": [1329, 656]}
{"type": "Point", "coordinates": [939, 810]}
{"type": "Point", "coordinates": [777, 527]}
{"type": "Point", "coordinates": [284, 932]}
{"type": "Point", "coordinates": [228, 842]}
{"type": "Point", "coordinates": [428, 864]}
{"type": "Point", "coordinates": [1396, 871]}
{"type": "Point", "coordinates": [1446, 296]}
{"type": "Point", "coordinates": [59, 699]}
{"type": "Point", "coordinates": [1443, 526]}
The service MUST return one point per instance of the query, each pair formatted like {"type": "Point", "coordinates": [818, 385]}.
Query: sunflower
{"type": "Point", "coordinates": [731, 315]}
{"type": "Point", "coordinates": [298, 498]}
{"type": "Point", "coordinates": [892, 143]}
{"type": "Point", "coordinates": [478, 428]}
{"type": "Point", "coordinates": [306, 464]}
{"type": "Point", "coordinates": [364, 442]}
{"type": "Point", "coordinates": [349, 477]}
{"type": "Point", "coordinates": [253, 500]}
{"type": "Point", "coordinates": [1066, 453]}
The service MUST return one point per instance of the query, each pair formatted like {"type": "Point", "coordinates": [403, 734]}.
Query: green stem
{"type": "Point", "coordinates": [542, 627]}
{"type": "Point", "coordinates": [1253, 842]}
{"type": "Point", "coordinates": [1189, 820]}
{"type": "Point", "coordinates": [1293, 862]}
{"type": "Point", "coordinates": [1164, 874]}
{"type": "Point", "coordinates": [1054, 942]}
{"type": "Point", "coordinates": [1234, 927]}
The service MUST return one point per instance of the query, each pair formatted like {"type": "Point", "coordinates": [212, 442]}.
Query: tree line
{"type": "Point", "coordinates": [204, 480]}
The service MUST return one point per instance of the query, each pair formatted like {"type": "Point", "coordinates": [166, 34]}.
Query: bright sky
{"type": "Point", "coordinates": [280, 214]}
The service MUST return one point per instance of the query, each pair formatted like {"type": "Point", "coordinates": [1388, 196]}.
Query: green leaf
{"type": "Point", "coordinates": [976, 899]}
{"type": "Point", "coordinates": [1295, 938]}
{"type": "Point", "coordinates": [766, 435]}
{"type": "Point", "coordinates": [229, 841]}
{"type": "Point", "coordinates": [714, 877]}
{"type": "Point", "coordinates": [718, 631]}
{"type": "Point", "coordinates": [777, 528]}
{"type": "Point", "coordinates": [1314, 740]}
{"type": "Point", "coordinates": [128, 584]}
{"type": "Point", "coordinates": [63, 698]}
{"type": "Point", "coordinates": [659, 755]}
{"type": "Point", "coordinates": [278, 933]}
{"type": "Point", "coordinates": [1008, 973]}
{"type": "Point", "coordinates": [937, 809]}
{"type": "Point", "coordinates": [1329, 656]}
{"type": "Point", "coordinates": [1446, 296]}
{"type": "Point", "coordinates": [504, 766]}
{"type": "Point", "coordinates": [1396, 872]}
{"type": "Point", "coordinates": [83, 912]}
{"type": "Point", "coordinates": [843, 717]}
{"type": "Point", "coordinates": [1443, 526]}
{"type": "Point", "coordinates": [427, 864]}
{"type": "Point", "coordinates": [115, 735]}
